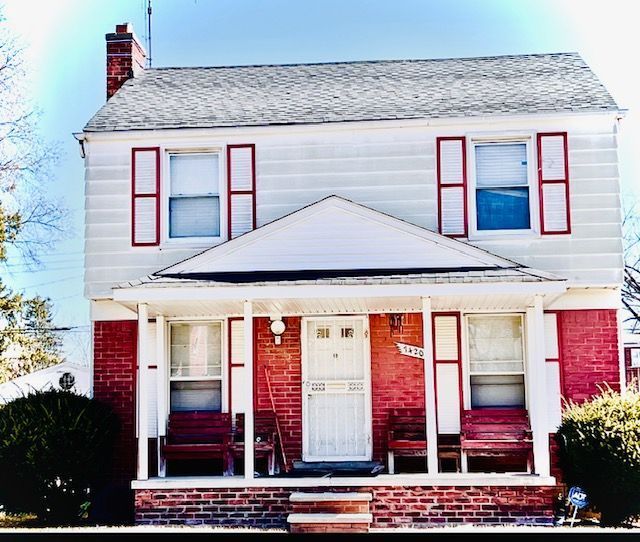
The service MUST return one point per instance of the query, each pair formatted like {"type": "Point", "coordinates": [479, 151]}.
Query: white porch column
{"type": "Point", "coordinates": [161, 391]}
{"type": "Point", "coordinates": [248, 390]}
{"type": "Point", "coordinates": [143, 399]}
{"type": "Point", "coordinates": [429, 388]}
{"type": "Point", "coordinates": [537, 382]}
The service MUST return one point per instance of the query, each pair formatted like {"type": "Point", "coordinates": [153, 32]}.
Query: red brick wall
{"type": "Point", "coordinates": [589, 350]}
{"type": "Point", "coordinates": [114, 370]}
{"type": "Point", "coordinates": [397, 381]}
{"type": "Point", "coordinates": [391, 506]}
{"type": "Point", "coordinates": [284, 365]}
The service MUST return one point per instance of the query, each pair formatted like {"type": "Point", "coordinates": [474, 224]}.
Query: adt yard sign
{"type": "Point", "coordinates": [578, 497]}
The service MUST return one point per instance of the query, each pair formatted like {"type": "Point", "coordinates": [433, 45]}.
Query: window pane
{"type": "Point", "coordinates": [194, 174]}
{"type": "Point", "coordinates": [495, 339]}
{"type": "Point", "coordinates": [196, 350]}
{"type": "Point", "coordinates": [496, 346]}
{"type": "Point", "coordinates": [503, 209]}
{"type": "Point", "coordinates": [204, 395]}
{"type": "Point", "coordinates": [194, 217]}
{"type": "Point", "coordinates": [501, 165]}
{"type": "Point", "coordinates": [497, 391]}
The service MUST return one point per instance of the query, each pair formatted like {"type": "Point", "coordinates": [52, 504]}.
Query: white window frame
{"type": "Point", "coordinates": [466, 361]}
{"type": "Point", "coordinates": [528, 138]}
{"type": "Point", "coordinates": [192, 242]}
{"type": "Point", "coordinates": [224, 399]}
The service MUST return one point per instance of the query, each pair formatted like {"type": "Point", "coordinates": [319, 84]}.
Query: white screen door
{"type": "Point", "coordinates": [336, 401]}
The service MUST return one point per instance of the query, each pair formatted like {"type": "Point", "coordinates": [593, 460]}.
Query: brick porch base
{"type": "Point", "coordinates": [391, 506]}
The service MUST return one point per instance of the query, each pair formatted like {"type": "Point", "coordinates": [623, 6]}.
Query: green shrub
{"type": "Point", "coordinates": [600, 451]}
{"type": "Point", "coordinates": [53, 446]}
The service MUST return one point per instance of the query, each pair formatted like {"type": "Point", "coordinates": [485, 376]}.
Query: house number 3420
{"type": "Point", "coordinates": [410, 350]}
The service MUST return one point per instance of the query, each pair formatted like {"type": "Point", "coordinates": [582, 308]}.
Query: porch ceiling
{"type": "Point", "coordinates": [348, 305]}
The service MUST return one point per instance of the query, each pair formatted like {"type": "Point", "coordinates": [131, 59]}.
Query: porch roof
{"type": "Point", "coordinates": [336, 256]}
{"type": "Point", "coordinates": [489, 275]}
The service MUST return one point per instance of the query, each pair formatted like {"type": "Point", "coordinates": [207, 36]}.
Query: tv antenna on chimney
{"type": "Point", "coordinates": [149, 11]}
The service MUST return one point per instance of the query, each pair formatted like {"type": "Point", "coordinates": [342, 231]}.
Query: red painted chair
{"type": "Point", "coordinates": [198, 435]}
{"type": "Point", "coordinates": [496, 433]}
{"type": "Point", "coordinates": [265, 439]}
{"type": "Point", "coordinates": [406, 435]}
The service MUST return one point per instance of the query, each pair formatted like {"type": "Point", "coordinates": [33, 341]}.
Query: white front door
{"type": "Point", "coordinates": [336, 389]}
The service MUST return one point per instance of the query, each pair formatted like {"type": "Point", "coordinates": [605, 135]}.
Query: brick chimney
{"type": "Point", "coordinates": [126, 57]}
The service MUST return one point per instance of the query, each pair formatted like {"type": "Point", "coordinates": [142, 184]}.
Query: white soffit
{"type": "Point", "coordinates": [337, 234]}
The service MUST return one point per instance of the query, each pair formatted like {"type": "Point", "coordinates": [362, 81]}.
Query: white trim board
{"type": "Point", "coordinates": [382, 480]}
{"type": "Point", "coordinates": [191, 293]}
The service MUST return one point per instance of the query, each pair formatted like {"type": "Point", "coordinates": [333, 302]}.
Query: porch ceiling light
{"type": "Point", "coordinates": [277, 328]}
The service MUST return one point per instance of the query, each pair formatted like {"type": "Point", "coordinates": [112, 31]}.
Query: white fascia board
{"type": "Point", "coordinates": [244, 131]}
{"type": "Point", "coordinates": [382, 480]}
{"type": "Point", "coordinates": [190, 293]}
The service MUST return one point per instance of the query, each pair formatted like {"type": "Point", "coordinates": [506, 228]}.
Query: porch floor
{"type": "Point", "coordinates": [417, 479]}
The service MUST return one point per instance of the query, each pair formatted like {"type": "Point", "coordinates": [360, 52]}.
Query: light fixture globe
{"type": "Point", "coordinates": [277, 327]}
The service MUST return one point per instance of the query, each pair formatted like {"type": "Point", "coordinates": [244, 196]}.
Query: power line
{"type": "Point", "coordinates": [43, 270]}
{"type": "Point", "coordinates": [73, 277]}
{"type": "Point", "coordinates": [65, 329]}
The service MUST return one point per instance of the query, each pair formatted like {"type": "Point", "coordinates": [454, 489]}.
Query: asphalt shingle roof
{"type": "Point", "coordinates": [513, 274]}
{"type": "Point", "coordinates": [353, 91]}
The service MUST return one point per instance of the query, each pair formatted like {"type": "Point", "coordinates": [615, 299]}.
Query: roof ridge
{"type": "Point", "coordinates": [376, 61]}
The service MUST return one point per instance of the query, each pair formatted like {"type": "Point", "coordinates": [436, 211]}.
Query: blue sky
{"type": "Point", "coordinates": [66, 61]}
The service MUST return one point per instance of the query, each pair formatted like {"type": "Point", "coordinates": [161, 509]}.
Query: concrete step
{"type": "Point", "coordinates": [299, 496]}
{"type": "Point", "coordinates": [330, 503]}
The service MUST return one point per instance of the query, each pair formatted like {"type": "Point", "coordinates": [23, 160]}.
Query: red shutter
{"type": "Point", "coordinates": [447, 357]}
{"type": "Point", "coordinates": [145, 196]}
{"type": "Point", "coordinates": [553, 176]}
{"type": "Point", "coordinates": [241, 182]}
{"type": "Point", "coordinates": [452, 186]}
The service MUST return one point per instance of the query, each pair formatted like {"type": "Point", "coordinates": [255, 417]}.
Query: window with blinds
{"type": "Point", "coordinates": [496, 360]}
{"type": "Point", "coordinates": [195, 363]}
{"type": "Point", "coordinates": [502, 186]}
{"type": "Point", "coordinates": [194, 199]}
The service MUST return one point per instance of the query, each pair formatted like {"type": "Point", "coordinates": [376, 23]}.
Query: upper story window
{"type": "Point", "coordinates": [502, 191]}
{"type": "Point", "coordinates": [494, 185]}
{"type": "Point", "coordinates": [194, 195]}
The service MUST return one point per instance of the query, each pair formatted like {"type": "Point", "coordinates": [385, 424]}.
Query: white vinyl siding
{"type": "Point", "coordinates": [392, 170]}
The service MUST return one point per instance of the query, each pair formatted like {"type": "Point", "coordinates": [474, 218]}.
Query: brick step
{"type": "Point", "coordinates": [330, 503]}
{"type": "Point", "coordinates": [329, 523]}
{"type": "Point", "coordinates": [330, 512]}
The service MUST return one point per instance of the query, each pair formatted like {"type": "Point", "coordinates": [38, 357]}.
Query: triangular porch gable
{"type": "Point", "coordinates": [335, 234]}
